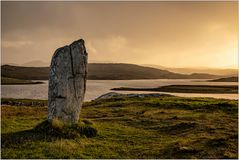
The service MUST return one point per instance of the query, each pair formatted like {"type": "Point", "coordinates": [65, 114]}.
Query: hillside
{"type": "Point", "coordinates": [35, 63]}
{"type": "Point", "coordinates": [227, 79]}
{"type": "Point", "coordinates": [103, 71]}
{"type": "Point", "coordinates": [27, 73]}
{"type": "Point", "coordinates": [127, 71]}
{"type": "Point", "coordinates": [216, 71]}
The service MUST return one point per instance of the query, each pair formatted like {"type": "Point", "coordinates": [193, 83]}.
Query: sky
{"type": "Point", "coordinates": [172, 34]}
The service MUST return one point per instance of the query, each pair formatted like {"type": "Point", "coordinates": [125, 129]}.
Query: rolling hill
{"type": "Point", "coordinates": [227, 79]}
{"type": "Point", "coordinates": [35, 63]}
{"type": "Point", "coordinates": [103, 71]}
{"type": "Point", "coordinates": [216, 71]}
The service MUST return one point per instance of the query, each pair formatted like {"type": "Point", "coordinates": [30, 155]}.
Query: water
{"type": "Point", "coordinates": [96, 88]}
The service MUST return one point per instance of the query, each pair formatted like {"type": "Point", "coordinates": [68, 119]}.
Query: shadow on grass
{"type": "Point", "coordinates": [9, 139]}
{"type": "Point", "coordinates": [177, 128]}
{"type": "Point", "coordinates": [221, 148]}
{"type": "Point", "coordinates": [47, 131]}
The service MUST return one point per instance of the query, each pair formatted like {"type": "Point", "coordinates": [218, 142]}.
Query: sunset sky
{"type": "Point", "coordinates": [172, 34]}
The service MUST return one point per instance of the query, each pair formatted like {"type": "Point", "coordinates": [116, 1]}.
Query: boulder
{"type": "Point", "coordinates": [67, 82]}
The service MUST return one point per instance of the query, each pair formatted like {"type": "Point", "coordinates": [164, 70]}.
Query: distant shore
{"type": "Point", "coordinates": [227, 79]}
{"type": "Point", "coordinates": [232, 89]}
{"type": "Point", "coordinates": [14, 81]}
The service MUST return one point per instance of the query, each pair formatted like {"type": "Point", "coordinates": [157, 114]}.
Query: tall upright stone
{"type": "Point", "coordinates": [67, 82]}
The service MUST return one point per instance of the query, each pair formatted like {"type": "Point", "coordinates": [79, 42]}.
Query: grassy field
{"type": "Point", "coordinates": [229, 89]}
{"type": "Point", "coordinates": [167, 127]}
{"type": "Point", "coordinates": [14, 81]}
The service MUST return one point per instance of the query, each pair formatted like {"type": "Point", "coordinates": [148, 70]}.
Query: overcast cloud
{"type": "Point", "coordinates": [174, 34]}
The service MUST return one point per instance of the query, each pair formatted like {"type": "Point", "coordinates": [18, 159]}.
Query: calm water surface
{"type": "Point", "coordinates": [95, 88]}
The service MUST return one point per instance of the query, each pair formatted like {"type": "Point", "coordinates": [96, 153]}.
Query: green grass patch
{"type": "Point", "coordinates": [164, 127]}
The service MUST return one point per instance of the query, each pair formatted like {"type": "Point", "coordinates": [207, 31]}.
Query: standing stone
{"type": "Point", "coordinates": [67, 82]}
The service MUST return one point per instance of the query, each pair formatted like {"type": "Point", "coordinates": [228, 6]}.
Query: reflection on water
{"type": "Point", "coordinates": [95, 88]}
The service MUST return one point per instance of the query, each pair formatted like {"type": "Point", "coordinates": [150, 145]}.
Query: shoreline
{"type": "Point", "coordinates": [14, 81]}
{"type": "Point", "coordinates": [109, 95]}
{"type": "Point", "coordinates": [27, 83]}
{"type": "Point", "coordinates": [207, 89]}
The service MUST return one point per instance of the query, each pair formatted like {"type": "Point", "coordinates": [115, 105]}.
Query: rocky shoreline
{"type": "Point", "coordinates": [120, 95]}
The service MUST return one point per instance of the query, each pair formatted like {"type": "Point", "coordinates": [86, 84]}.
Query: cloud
{"type": "Point", "coordinates": [110, 44]}
{"type": "Point", "coordinates": [161, 33]}
{"type": "Point", "coordinates": [16, 44]}
{"type": "Point", "coordinates": [90, 47]}
{"type": "Point", "coordinates": [116, 43]}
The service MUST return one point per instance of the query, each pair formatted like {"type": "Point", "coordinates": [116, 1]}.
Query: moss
{"type": "Point", "coordinates": [59, 129]}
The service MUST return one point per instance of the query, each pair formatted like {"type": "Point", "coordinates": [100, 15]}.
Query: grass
{"type": "Point", "coordinates": [229, 89]}
{"type": "Point", "coordinates": [14, 81]}
{"type": "Point", "coordinates": [57, 128]}
{"type": "Point", "coordinates": [166, 127]}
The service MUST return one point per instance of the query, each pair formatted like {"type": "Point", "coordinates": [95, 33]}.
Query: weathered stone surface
{"type": "Point", "coordinates": [67, 82]}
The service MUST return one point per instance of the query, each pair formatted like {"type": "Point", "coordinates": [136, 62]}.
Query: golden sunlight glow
{"type": "Point", "coordinates": [173, 34]}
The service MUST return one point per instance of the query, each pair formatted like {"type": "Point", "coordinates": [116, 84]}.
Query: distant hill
{"type": "Point", "coordinates": [35, 63]}
{"type": "Point", "coordinates": [12, 64]}
{"type": "Point", "coordinates": [26, 73]}
{"type": "Point", "coordinates": [215, 71]}
{"type": "Point", "coordinates": [227, 79]}
{"type": "Point", "coordinates": [103, 71]}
